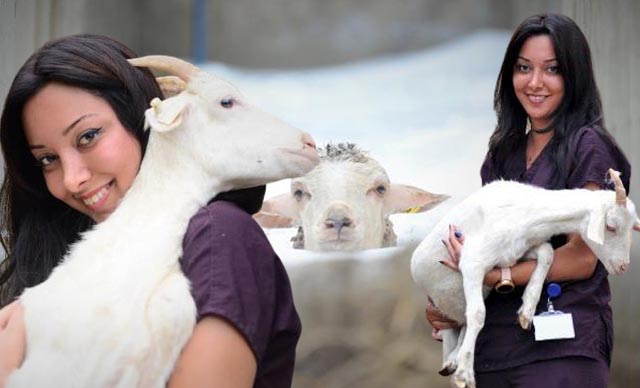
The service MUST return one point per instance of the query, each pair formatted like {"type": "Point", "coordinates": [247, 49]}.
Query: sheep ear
{"type": "Point", "coordinates": [278, 212]}
{"type": "Point", "coordinates": [272, 220]}
{"type": "Point", "coordinates": [636, 226]}
{"type": "Point", "coordinates": [595, 229]}
{"type": "Point", "coordinates": [165, 115]}
{"type": "Point", "coordinates": [409, 199]}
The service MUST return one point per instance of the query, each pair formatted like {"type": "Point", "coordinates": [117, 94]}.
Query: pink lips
{"type": "Point", "coordinates": [96, 198]}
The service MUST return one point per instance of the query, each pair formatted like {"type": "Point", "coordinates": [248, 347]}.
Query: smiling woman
{"type": "Point", "coordinates": [88, 158]}
{"type": "Point", "coordinates": [538, 85]}
{"type": "Point", "coordinates": [550, 133]}
{"type": "Point", "coordinates": [73, 137]}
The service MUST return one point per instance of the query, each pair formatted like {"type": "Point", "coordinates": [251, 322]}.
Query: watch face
{"type": "Point", "coordinates": [504, 287]}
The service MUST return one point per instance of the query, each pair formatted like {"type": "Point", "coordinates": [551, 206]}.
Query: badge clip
{"type": "Point", "coordinates": [553, 324]}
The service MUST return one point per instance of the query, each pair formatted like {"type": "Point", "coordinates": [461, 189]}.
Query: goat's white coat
{"type": "Point", "coordinates": [503, 222]}
{"type": "Point", "coordinates": [117, 311]}
{"type": "Point", "coordinates": [343, 189]}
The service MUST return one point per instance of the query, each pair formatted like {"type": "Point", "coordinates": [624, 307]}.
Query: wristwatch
{"type": "Point", "coordinates": [505, 285]}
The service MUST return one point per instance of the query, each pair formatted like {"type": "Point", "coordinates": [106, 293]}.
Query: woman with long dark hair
{"type": "Point", "coordinates": [72, 134]}
{"type": "Point", "coordinates": [549, 133]}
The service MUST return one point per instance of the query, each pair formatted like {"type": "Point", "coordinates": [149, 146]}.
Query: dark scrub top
{"type": "Point", "coordinates": [236, 275]}
{"type": "Point", "coordinates": [503, 343]}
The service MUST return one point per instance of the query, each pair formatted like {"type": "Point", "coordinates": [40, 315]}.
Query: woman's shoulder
{"type": "Point", "coordinates": [224, 217]}
{"type": "Point", "coordinates": [590, 135]}
{"type": "Point", "coordinates": [595, 152]}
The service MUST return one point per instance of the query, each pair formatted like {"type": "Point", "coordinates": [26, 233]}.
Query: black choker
{"type": "Point", "coordinates": [542, 130]}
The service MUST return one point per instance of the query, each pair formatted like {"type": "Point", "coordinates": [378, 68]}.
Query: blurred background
{"type": "Point", "coordinates": [410, 81]}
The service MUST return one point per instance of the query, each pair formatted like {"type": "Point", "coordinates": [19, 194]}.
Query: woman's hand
{"type": "Point", "coordinates": [453, 243]}
{"type": "Point", "coordinates": [436, 318]}
{"type": "Point", "coordinates": [12, 339]}
{"type": "Point", "coordinates": [438, 321]}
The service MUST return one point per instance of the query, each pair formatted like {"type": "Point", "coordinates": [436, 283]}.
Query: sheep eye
{"type": "Point", "coordinates": [227, 103]}
{"type": "Point", "coordinates": [381, 190]}
{"type": "Point", "coordinates": [298, 194]}
{"type": "Point", "coordinates": [611, 229]}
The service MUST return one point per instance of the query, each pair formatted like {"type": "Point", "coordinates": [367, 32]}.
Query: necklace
{"type": "Point", "coordinates": [528, 128]}
{"type": "Point", "coordinates": [542, 130]}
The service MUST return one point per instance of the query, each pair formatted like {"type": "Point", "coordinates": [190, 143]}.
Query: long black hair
{"type": "Point", "coordinates": [36, 228]}
{"type": "Point", "coordinates": [580, 106]}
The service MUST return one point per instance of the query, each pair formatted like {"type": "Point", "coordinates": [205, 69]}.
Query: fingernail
{"type": "Point", "coordinates": [457, 233]}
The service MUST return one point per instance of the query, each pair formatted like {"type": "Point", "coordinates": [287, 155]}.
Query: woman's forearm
{"type": "Point", "coordinates": [572, 261]}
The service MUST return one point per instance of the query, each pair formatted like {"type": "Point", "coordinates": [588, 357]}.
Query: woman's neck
{"type": "Point", "coordinates": [535, 144]}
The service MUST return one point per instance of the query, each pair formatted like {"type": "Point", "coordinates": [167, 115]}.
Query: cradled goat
{"type": "Point", "coordinates": [117, 311]}
{"type": "Point", "coordinates": [344, 203]}
{"type": "Point", "coordinates": [502, 222]}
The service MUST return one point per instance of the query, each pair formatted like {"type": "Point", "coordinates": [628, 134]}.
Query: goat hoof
{"type": "Point", "coordinates": [525, 322]}
{"type": "Point", "coordinates": [464, 379]}
{"type": "Point", "coordinates": [447, 369]}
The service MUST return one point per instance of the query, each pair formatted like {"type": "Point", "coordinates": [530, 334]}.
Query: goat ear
{"type": "Point", "coordinates": [171, 85]}
{"type": "Point", "coordinates": [409, 199]}
{"type": "Point", "coordinates": [595, 229]}
{"type": "Point", "coordinates": [636, 225]}
{"type": "Point", "coordinates": [166, 115]}
{"type": "Point", "coordinates": [280, 211]}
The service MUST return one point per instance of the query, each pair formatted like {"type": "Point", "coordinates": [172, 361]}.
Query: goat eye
{"type": "Point", "coordinates": [381, 189]}
{"type": "Point", "coordinates": [227, 103]}
{"type": "Point", "coordinates": [611, 229]}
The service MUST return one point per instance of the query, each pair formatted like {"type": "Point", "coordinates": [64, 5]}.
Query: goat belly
{"type": "Point", "coordinates": [105, 339]}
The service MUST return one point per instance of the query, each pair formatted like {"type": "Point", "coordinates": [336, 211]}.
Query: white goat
{"type": "Point", "coordinates": [117, 311]}
{"type": "Point", "coordinates": [502, 222]}
{"type": "Point", "coordinates": [344, 203]}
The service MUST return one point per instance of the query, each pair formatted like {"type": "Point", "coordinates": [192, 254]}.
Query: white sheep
{"type": "Point", "coordinates": [505, 221]}
{"type": "Point", "coordinates": [117, 311]}
{"type": "Point", "coordinates": [344, 203]}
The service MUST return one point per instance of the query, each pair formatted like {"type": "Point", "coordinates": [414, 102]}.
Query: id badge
{"type": "Point", "coordinates": [553, 326]}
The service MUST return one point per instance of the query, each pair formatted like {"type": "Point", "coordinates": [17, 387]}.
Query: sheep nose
{"type": "Point", "coordinates": [307, 140]}
{"type": "Point", "coordinates": [338, 223]}
{"type": "Point", "coordinates": [624, 267]}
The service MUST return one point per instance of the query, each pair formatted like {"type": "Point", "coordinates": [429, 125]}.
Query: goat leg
{"type": "Point", "coordinates": [472, 275]}
{"type": "Point", "coordinates": [531, 296]}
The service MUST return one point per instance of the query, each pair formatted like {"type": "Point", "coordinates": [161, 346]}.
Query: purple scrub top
{"type": "Point", "coordinates": [236, 275]}
{"type": "Point", "coordinates": [503, 343]}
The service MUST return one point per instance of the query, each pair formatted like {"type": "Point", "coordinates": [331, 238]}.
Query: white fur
{"type": "Point", "coordinates": [503, 222]}
{"type": "Point", "coordinates": [117, 311]}
{"type": "Point", "coordinates": [344, 204]}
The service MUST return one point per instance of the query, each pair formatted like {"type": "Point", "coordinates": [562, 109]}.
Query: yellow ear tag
{"type": "Point", "coordinates": [412, 210]}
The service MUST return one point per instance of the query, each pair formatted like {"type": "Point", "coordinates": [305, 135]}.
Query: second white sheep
{"type": "Point", "coordinates": [344, 203]}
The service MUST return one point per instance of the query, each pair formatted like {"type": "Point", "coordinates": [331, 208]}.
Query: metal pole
{"type": "Point", "coordinates": [199, 31]}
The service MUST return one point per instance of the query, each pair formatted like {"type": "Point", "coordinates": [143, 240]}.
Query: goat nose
{"type": "Point", "coordinates": [624, 267]}
{"type": "Point", "coordinates": [308, 140]}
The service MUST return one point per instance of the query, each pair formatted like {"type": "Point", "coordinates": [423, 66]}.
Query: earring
{"type": "Point", "coordinates": [527, 127]}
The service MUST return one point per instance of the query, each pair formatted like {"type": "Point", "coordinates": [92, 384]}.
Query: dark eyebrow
{"type": "Point", "coordinates": [67, 129]}
{"type": "Point", "coordinates": [70, 127]}
{"type": "Point", "coordinates": [546, 60]}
